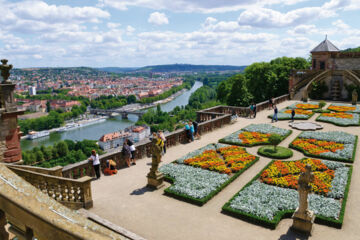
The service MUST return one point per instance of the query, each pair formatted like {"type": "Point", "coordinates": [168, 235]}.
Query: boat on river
{"type": "Point", "coordinates": [82, 123]}
{"type": "Point", "coordinates": [34, 134]}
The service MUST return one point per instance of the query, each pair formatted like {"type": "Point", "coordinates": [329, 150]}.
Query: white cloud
{"type": "Point", "coordinates": [158, 18]}
{"type": "Point", "coordinates": [212, 24]}
{"type": "Point", "coordinates": [112, 25]}
{"type": "Point", "coordinates": [303, 30]}
{"type": "Point", "coordinates": [202, 6]}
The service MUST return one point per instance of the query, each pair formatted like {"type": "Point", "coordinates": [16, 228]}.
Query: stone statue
{"type": "Point", "coordinates": [354, 97]}
{"type": "Point", "coordinates": [305, 95]}
{"type": "Point", "coordinates": [155, 178]}
{"type": "Point", "coordinates": [303, 217]}
{"type": "Point", "coordinates": [5, 71]}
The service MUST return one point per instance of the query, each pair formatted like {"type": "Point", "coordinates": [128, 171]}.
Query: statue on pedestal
{"type": "Point", "coordinates": [155, 178]}
{"type": "Point", "coordinates": [5, 71]}
{"type": "Point", "coordinates": [305, 95]}
{"type": "Point", "coordinates": [354, 97]}
{"type": "Point", "coordinates": [303, 217]}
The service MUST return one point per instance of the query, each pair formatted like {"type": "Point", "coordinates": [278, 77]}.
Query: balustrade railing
{"type": "Point", "coordinates": [29, 214]}
{"type": "Point", "coordinates": [73, 193]}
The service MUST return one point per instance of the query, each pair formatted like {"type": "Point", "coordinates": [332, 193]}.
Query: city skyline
{"type": "Point", "coordinates": [109, 33]}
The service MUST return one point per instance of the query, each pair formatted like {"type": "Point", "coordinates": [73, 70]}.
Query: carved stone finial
{"type": "Point", "coordinates": [5, 71]}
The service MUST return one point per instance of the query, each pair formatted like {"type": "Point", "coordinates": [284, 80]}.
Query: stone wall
{"type": "Point", "coordinates": [347, 63]}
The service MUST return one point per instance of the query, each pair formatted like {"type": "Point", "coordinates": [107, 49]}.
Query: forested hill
{"type": "Point", "coordinates": [189, 68]}
{"type": "Point", "coordinates": [118, 69]}
{"type": "Point", "coordinates": [352, 50]}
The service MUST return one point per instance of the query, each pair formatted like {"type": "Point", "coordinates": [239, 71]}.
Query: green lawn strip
{"type": "Point", "coordinates": [203, 200]}
{"type": "Point", "coordinates": [326, 157]}
{"type": "Point", "coordinates": [281, 152]}
{"type": "Point", "coordinates": [223, 140]}
{"type": "Point", "coordinates": [337, 124]}
{"type": "Point", "coordinates": [321, 111]}
{"type": "Point", "coordinates": [226, 209]}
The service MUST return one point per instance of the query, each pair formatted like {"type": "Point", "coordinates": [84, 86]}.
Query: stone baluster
{"type": "Point", "coordinates": [3, 233]}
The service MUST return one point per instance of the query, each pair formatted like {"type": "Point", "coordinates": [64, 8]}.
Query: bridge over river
{"type": "Point", "coordinates": [124, 113]}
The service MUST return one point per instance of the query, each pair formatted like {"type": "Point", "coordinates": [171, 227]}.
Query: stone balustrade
{"type": "Point", "coordinates": [73, 193]}
{"type": "Point", "coordinates": [209, 119]}
{"type": "Point", "coordinates": [54, 171]}
{"type": "Point", "coordinates": [31, 214]}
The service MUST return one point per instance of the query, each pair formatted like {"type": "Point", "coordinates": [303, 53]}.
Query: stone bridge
{"type": "Point", "coordinates": [124, 114]}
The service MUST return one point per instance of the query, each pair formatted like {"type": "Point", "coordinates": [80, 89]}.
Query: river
{"type": "Point", "coordinates": [94, 132]}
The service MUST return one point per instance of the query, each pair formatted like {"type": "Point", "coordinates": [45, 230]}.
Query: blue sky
{"type": "Point", "coordinates": [131, 33]}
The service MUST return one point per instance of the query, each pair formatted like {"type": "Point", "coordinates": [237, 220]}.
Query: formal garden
{"type": "Point", "coordinates": [272, 194]}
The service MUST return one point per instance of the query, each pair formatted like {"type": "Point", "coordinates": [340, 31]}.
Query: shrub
{"type": "Point", "coordinates": [274, 140]}
{"type": "Point", "coordinates": [322, 104]}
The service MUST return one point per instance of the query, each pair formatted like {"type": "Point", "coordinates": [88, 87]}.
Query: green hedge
{"type": "Point", "coordinates": [281, 152]}
{"type": "Point", "coordinates": [226, 209]}
{"type": "Point", "coordinates": [203, 200]}
{"type": "Point", "coordinates": [223, 140]}
{"type": "Point", "coordinates": [327, 158]}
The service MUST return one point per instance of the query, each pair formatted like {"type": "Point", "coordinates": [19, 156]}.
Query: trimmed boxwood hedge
{"type": "Point", "coordinates": [281, 152]}
{"type": "Point", "coordinates": [203, 200]}
{"type": "Point", "coordinates": [326, 157]}
{"type": "Point", "coordinates": [337, 124]}
{"type": "Point", "coordinates": [223, 140]}
{"type": "Point", "coordinates": [226, 209]}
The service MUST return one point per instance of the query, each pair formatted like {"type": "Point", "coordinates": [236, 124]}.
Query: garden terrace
{"type": "Point", "coordinates": [124, 199]}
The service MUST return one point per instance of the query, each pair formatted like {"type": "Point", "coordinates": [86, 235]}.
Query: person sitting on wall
{"type": "Point", "coordinates": [110, 167]}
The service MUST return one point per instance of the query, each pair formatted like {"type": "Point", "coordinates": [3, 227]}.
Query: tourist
{"type": "Point", "coordinates": [196, 132]}
{"type": "Point", "coordinates": [254, 110]}
{"type": "Point", "coordinates": [192, 130]}
{"type": "Point", "coordinates": [94, 158]}
{"type": "Point", "coordinates": [163, 138]}
{"type": "Point", "coordinates": [270, 103]}
{"type": "Point", "coordinates": [110, 167]}
{"type": "Point", "coordinates": [188, 133]}
{"type": "Point", "coordinates": [126, 153]}
{"type": "Point", "coordinates": [292, 114]}
{"type": "Point", "coordinates": [275, 114]}
{"type": "Point", "coordinates": [132, 150]}
{"type": "Point", "coordinates": [251, 110]}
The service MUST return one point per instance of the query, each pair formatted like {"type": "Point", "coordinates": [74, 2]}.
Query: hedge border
{"type": "Point", "coordinates": [338, 124]}
{"type": "Point", "coordinates": [275, 157]}
{"type": "Point", "coordinates": [222, 140]}
{"type": "Point", "coordinates": [205, 199]}
{"type": "Point", "coordinates": [272, 224]}
{"type": "Point", "coordinates": [327, 158]}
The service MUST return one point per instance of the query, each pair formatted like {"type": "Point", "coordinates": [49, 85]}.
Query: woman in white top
{"type": "Point", "coordinates": [132, 149]}
{"type": "Point", "coordinates": [95, 162]}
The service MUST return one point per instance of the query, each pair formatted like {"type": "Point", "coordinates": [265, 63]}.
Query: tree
{"type": "Point", "coordinates": [131, 99]}
{"type": "Point", "coordinates": [239, 94]}
{"type": "Point", "coordinates": [274, 140]}
{"type": "Point", "coordinates": [48, 107]}
{"type": "Point", "coordinates": [62, 149]}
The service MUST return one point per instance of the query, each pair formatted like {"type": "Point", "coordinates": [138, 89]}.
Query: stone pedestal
{"type": "Point", "coordinates": [10, 134]}
{"type": "Point", "coordinates": [303, 222]}
{"type": "Point", "coordinates": [155, 180]}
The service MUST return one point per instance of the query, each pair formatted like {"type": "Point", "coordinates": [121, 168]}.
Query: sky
{"type": "Point", "coordinates": [135, 33]}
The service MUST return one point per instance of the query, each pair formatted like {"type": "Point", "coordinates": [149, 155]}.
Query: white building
{"type": "Point", "coordinates": [140, 132]}
{"type": "Point", "coordinates": [113, 140]}
{"type": "Point", "coordinates": [32, 91]}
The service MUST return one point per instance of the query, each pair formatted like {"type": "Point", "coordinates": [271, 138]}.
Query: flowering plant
{"type": "Point", "coordinates": [340, 118]}
{"type": "Point", "coordinates": [309, 105]}
{"type": "Point", "coordinates": [340, 107]}
{"type": "Point", "coordinates": [285, 114]}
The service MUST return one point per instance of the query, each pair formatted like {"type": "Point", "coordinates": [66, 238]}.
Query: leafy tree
{"type": "Point", "coordinates": [274, 140]}
{"type": "Point", "coordinates": [48, 107]}
{"type": "Point", "coordinates": [239, 95]}
{"type": "Point", "coordinates": [62, 149]}
{"type": "Point", "coordinates": [131, 99]}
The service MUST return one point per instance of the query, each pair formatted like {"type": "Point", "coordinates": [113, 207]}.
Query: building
{"type": "Point", "coordinates": [338, 71]}
{"type": "Point", "coordinates": [139, 133]}
{"type": "Point", "coordinates": [113, 140]}
{"type": "Point", "coordinates": [63, 104]}
{"type": "Point", "coordinates": [32, 91]}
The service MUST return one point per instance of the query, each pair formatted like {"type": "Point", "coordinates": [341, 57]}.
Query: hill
{"type": "Point", "coordinates": [117, 69]}
{"type": "Point", "coordinates": [189, 68]}
{"type": "Point", "coordinates": [352, 50]}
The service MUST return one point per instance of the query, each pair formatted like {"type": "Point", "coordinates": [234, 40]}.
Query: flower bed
{"type": "Point", "coordinates": [254, 134]}
{"type": "Point", "coordinates": [340, 107]}
{"type": "Point", "coordinates": [203, 173]}
{"type": "Point", "coordinates": [338, 146]}
{"type": "Point", "coordinates": [266, 204]}
{"type": "Point", "coordinates": [308, 105]}
{"type": "Point", "coordinates": [340, 118]}
{"type": "Point", "coordinates": [285, 114]}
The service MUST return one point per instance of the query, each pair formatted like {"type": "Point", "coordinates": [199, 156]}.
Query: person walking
{"type": "Point", "coordinates": [254, 110]}
{"type": "Point", "coordinates": [196, 132]}
{"type": "Point", "coordinates": [163, 138]}
{"type": "Point", "coordinates": [192, 130]}
{"type": "Point", "coordinates": [270, 103]}
{"type": "Point", "coordinates": [132, 150]}
{"type": "Point", "coordinates": [292, 114]}
{"type": "Point", "coordinates": [251, 110]}
{"type": "Point", "coordinates": [275, 114]}
{"type": "Point", "coordinates": [126, 152]}
{"type": "Point", "coordinates": [94, 158]}
{"type": "Point", "coordinates": [188, 133]}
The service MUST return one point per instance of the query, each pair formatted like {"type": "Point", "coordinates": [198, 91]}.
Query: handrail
{"type": "Point", "coordinates": [31, 213]}
{"type": "Point", "coordinates": [54, 171]}
{"type": "Point", "coordinates": [70, 192]}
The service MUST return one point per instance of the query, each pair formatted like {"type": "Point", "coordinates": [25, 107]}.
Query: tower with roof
{"type": "Point", "coordinates": [321, 55]}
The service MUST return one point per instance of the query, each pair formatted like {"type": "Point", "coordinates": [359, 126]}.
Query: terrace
{"type": "Point", "coordinates": [124, 200]}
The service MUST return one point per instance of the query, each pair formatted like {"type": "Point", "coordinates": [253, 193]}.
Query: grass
{"type": "Point", "coordinates": [205, 199]}
{"type": "Point", "coordinates": [346, 160]}
{"type": "Point", "coordinates": [279, 153]}
{"type": "Point", "coordinates": [226, 209]}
